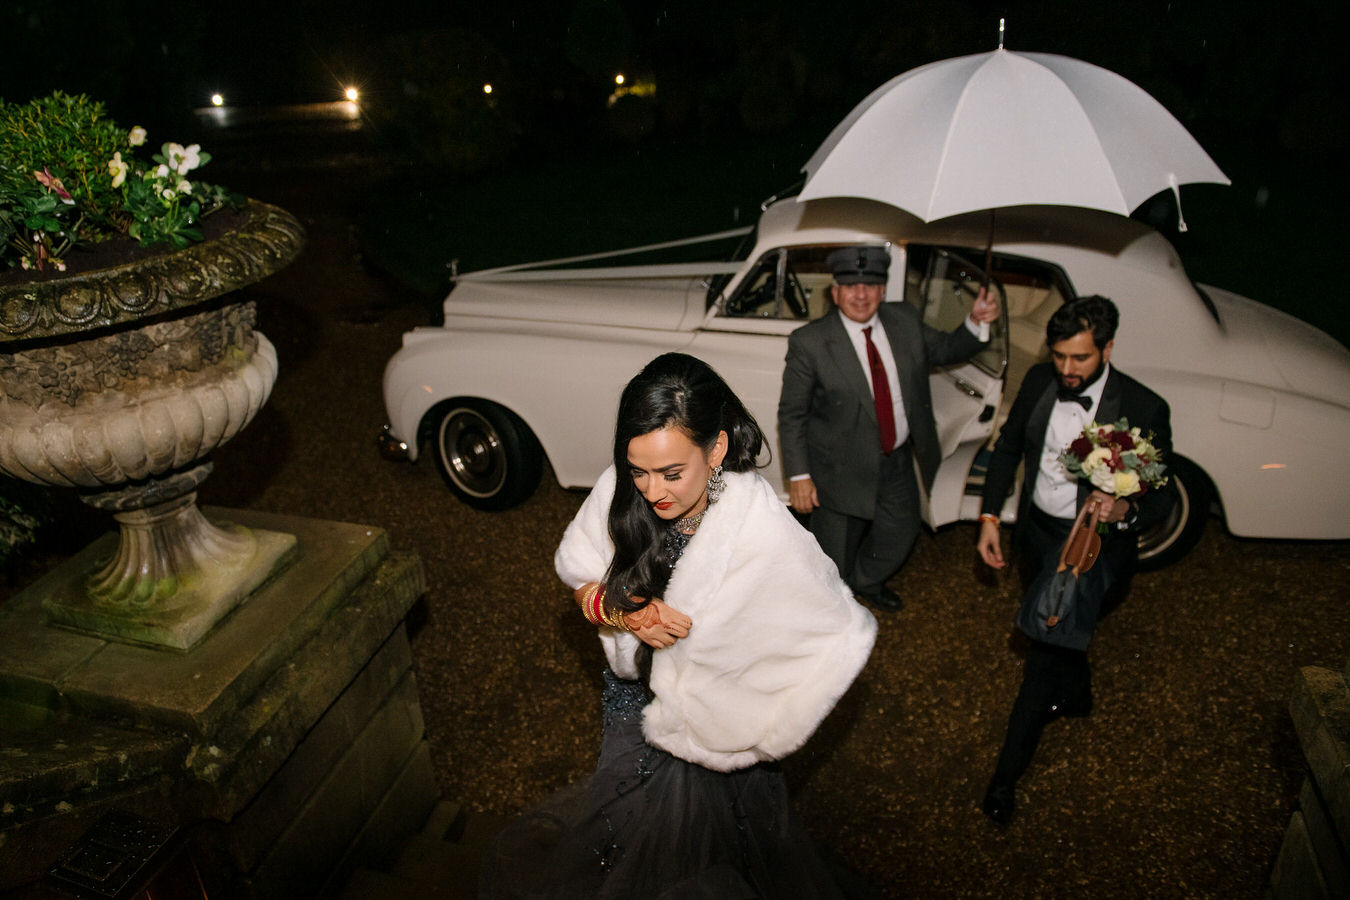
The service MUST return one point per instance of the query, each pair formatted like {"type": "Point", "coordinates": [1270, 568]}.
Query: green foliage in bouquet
{"type": "Point", "coordinates": [69, 175]}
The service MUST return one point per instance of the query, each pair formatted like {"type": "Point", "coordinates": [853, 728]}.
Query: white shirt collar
{"type": "Point", "coordinates": [855, 327]}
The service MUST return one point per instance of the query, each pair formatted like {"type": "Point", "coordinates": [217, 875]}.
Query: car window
{"type": "Point", "coordinates": [943, 283]}
{"type": "Point", "coordinates": [790, 283]}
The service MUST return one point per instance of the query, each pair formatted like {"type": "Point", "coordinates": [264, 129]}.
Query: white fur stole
{"type": "Point", "coordinates": [777, 636]}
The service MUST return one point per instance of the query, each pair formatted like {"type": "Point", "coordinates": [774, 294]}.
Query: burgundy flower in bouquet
{"type": "Point", "coordinates": [1116, 459]}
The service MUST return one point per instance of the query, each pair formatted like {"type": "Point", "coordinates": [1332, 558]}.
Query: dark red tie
{"type": "Point", "coordinates": [881, 394]}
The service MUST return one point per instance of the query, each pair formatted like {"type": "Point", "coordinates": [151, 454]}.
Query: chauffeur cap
{"type": "Point", "coordinates": [859, 265]}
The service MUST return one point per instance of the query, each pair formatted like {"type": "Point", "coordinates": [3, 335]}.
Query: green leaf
{"type": "Point", "coordinates": [73, 138]}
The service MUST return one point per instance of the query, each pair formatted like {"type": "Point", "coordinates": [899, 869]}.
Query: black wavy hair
{"type": "Point", "coordinates": [678, 390]}
{"type": "Point", "coordinates": [1095, 314]}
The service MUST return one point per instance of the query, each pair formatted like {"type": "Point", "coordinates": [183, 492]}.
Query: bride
{"type": "Point", "coordinates": [729, 637]}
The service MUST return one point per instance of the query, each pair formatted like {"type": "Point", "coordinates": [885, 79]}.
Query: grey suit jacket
{"type": "Point", "coordinates": [827, 422]}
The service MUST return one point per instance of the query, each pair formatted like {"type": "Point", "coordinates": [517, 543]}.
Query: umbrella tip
{"type": "Point", "coordinates": [1176, 192]}
{"type": "Point", "coordinates": [1001, 29]}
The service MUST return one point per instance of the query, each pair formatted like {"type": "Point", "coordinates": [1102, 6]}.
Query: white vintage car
{"type": "Point", "coordinates": [530, 359]}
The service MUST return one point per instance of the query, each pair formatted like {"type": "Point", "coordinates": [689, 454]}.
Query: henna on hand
{"type": "Point", "coordinates": [657, 624]}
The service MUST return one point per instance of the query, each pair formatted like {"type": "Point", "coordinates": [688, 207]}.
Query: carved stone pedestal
{"type": "Point", "coordinates": [287, 746]}
{"type": "Point", "coordinates": [168, 577]}
{"type": "Point", "coordinates": [120, 382]}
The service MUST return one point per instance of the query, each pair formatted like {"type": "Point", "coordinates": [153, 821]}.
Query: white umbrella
{"type": "Point", "coordinates": [1007, 129]}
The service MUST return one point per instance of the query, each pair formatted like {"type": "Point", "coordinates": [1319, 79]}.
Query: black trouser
{"type": "Point", "coordinates": [869, 551]}
{"type": "Point", "coordinates": [1053, 678]}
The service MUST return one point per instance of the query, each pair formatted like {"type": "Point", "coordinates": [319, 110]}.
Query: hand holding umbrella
{"type": "Point", "coordinates": [984, 310]}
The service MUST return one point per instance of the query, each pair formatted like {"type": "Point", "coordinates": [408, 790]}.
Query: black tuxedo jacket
{"type": "Point", "coordinates": [1023, 438]}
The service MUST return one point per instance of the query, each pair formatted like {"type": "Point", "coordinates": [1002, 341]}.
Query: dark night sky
{"type": "Point", "coordinates": [1261, 86]}
{"type": "Point", "coordinates": [1265, 78]}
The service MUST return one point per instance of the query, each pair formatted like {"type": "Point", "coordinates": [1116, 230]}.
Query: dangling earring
{"type": "Point", "coordinates": [715, 484]}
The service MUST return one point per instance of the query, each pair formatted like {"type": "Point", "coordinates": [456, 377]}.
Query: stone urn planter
{"type": "Point", "coordinates": [119, 382]}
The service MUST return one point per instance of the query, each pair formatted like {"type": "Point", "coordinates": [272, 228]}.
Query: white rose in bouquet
{"type": "Point", "coordinates": [1096, 462]}
{"type": "Point", "coordinates": [1103, 479]}
{"type": "Point", "coordinates": [1125, 483]}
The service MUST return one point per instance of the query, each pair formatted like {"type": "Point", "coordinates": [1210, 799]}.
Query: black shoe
{"type": "Point", "coordinates": [999, 804]}
{"type": "Point", "coordinates": [885, 600]}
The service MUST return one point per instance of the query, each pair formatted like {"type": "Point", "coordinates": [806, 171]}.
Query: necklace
{"type": "Point", "coordinates": [689, 524]}
{"type": "Point", "coordinates": [678, 535]}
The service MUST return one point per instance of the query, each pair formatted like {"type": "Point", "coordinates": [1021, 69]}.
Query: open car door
{"type": "Point", "coordinates": [943, 285]}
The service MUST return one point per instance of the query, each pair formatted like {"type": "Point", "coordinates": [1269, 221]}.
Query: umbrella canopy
{"type": "Point", "coordinates": [1007, 129]}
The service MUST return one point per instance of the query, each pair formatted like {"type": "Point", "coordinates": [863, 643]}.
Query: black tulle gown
{"type": "Point", "coordinates": [650, 825]}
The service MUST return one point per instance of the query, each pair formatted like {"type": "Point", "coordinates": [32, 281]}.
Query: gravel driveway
{"type": "Point", "coordinates": [1180, 784]}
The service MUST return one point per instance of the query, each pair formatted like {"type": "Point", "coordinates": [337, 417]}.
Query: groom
{"type": "Point", "coordinates": [1056, 401]}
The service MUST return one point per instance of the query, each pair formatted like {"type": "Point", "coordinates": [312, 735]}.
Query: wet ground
{"type": "Point", "coordinates": [1180, 784]}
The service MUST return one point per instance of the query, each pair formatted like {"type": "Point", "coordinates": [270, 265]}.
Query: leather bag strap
{"type": "Point", "coordinates": [1083, 544]}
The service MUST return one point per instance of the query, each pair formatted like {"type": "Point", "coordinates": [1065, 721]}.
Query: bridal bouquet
{"type": "Point", "coordinates": [1116, 458]}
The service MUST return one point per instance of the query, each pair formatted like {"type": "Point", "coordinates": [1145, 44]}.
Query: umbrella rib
{"type": "Point", "coordinates": [946, 143]}
{"type": "Point", "coordinates": [1092, 127]}
{"type": "Point", "coordinates": [1101, 148]}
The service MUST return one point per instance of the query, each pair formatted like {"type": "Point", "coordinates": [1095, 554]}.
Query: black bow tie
{"type": "Point", "coordinates": [1081, 399]}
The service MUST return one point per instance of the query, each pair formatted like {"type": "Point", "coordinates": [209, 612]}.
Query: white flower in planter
{"type": "Point", "coordinates": [183, 159]}
{"type": "Point", "coordinates": [118, 169]}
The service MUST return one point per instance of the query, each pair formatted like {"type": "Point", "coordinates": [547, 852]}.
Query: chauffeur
{"type": "Point", "coordinates": [855, 414]}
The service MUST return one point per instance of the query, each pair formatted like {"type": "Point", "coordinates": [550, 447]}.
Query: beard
{"type": "Point", "coordinates": [1068, 390]}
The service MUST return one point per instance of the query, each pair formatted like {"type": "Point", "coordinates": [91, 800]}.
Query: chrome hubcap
{"type": "Point", "coordinates": [473, 453]}
{"type": "Point", "coordinates": [1163, 535]}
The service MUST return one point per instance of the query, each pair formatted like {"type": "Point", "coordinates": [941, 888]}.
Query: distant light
{"type": "Point", "coordinates": [639, 88]}
{"type": "Point", "coordinates": [487, 88]}
{"type": "Point", "coordinates": [352, 94]}
{"type": "Point", "coordinates": [217, 100]}
{"type": "Point", "coordinates": [1274, 466]}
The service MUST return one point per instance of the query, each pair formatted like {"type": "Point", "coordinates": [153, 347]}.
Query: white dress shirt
{"type": "Point", "coordinates": [1056, 490]}
{"type": "Point", "coordinates": [855, 334]}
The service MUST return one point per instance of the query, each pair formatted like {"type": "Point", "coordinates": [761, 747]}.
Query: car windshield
{"type": "Point", "coordinates": [718, 283]}
{"type": "Point", "coordinates": [786, 283]}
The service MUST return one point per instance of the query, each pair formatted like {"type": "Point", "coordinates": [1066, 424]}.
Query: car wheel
{"type": "Point", "coordinates": [487, 455]}
{"type": "Point", "coordinates": [1170, 540]}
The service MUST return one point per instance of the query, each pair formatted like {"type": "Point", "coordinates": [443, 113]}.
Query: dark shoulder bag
{"type": "Point", "coordinates": [1050, 605]}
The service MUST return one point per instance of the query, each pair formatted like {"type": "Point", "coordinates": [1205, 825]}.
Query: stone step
{"type": "Point", "coordinates": [439, 868]}
{"type": "Point", "coordinates": [367, 884]}
{"type": "Point", "coordinates": [445, 816]}
{"type": "Point", "coordinates": [442, 861]}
